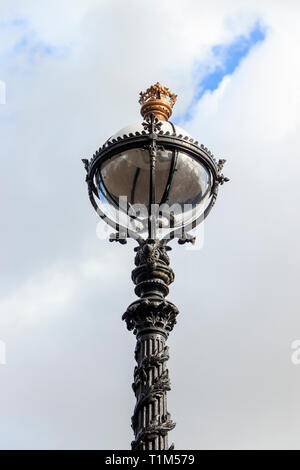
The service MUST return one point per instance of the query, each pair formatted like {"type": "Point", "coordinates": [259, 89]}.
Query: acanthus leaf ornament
{"type": "Point", "coordinates": [222, 179]}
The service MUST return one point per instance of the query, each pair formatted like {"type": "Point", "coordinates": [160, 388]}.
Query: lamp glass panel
{"type": "Point", "coordinates": [182, 188]}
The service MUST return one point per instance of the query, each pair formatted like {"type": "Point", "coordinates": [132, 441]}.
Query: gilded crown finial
{"type": "Point", "coordinates": [157, 100]}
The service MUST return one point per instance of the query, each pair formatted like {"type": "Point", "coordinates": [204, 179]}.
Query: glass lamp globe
{"type": "Point", "coordinates": [181, 190]}
{"type": "Point", "coordinates": [153, 173]}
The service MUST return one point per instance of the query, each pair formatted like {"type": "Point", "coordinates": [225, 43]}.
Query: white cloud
{"type": "Point", "coordinates": [62, 298]}
{"type": "Point", "coordinates": [54, 291]}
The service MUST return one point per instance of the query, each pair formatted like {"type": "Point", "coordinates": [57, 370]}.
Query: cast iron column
{"type": "Point", "coordinates": [151, 318]}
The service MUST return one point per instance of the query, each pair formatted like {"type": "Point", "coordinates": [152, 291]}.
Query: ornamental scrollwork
{"type": "Point", "coordinates": [151, 252]}
{"type": "Point", "coordinates": [151, 314]}
{"type": "Point", "coordinates": [152, 124]}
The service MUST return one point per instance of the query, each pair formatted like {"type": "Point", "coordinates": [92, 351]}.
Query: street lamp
{"type": "Point", "coordinates": [152, 182]}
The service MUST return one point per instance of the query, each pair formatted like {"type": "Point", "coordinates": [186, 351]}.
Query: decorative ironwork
{"type": "Point", "coordinates": [190, 143]}
{"type": "Point", "coordinates": [151, 420]}
{"type": "Point", "coordinates": [86, 164]}
{"type": "Point", "coordinates": [151, 318]}
{"type": "Point", "coordinates": [221, 179]}
{"type": "Point", "coordinates": [152, 124]}
{"type": "Point", "coordinates": [150, 253]}
{"type": "Point", "coordinates": [157, 140]}
{"type": "Point", "coordinates": [221, 163]}
{"type": "Point", "coordinates": [151, 315]}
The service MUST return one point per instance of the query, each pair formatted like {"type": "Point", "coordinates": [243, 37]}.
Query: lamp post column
{"type": "Point", "coordinates": [151, 318]}
{"type": "Point", "coordinates": [155, 164]}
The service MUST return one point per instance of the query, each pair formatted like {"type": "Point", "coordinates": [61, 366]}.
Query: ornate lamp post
{"type": "Point", "coordinates": [152, 182]}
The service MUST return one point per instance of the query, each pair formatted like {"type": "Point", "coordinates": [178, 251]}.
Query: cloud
{"type": "Point", "coordinates": [224, 61]}
{"type": "Point", "coordinates": [69, 357]}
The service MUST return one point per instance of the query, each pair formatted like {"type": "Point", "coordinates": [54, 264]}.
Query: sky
{"type": "Point", "coordinates": [70, 76]}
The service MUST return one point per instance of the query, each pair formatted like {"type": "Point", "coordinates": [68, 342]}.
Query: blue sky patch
{"type": "Point", "coordinates": [14, 22]}
{"type": "Point", "coordinates": [28, 43]}
{"type": "Point", "coordinates": [226, 59]}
